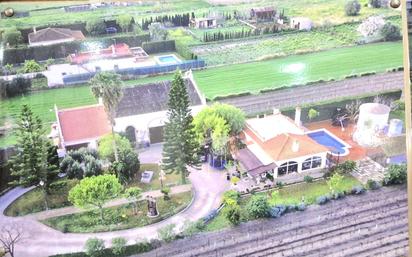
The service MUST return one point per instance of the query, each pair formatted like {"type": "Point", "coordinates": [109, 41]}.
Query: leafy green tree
{"type": "Point", "coordinates": [95, 27]}
{"type": "Point", "coordinates": [124, 22]}
{"type": "Point", "coordinates": [335, 183]}
{"type": "Point", "coordinates": [157, 32]}
{"type": "Point", "coordinates": [352, 8]}
{"type": "Point", "coordinates": [30, 66]}
{"type": "Point", "coordinates": [34, 162]}
{"type": "Point", "coordinates": [108, 86]}
{"type": "Point", "coordinates": [232, 213]}
{"type": "Point", "coordinates": [312, 113]}
{"type": "Point", "coordinates": [12, 37]}
{"type": "Point", "coordinates": [95, 191]}
{"type": "Point", "coordinates": [258, 206]}
{"type": "Point", "coordinates": [128, 163]}
{"type": "Point", "coordinates": [375, 3]}
{"type": "Point", "coordinates": [231, 197]}
{"type": "Point", "coordinates": [118, 245]}
{"type": "Point", "coordinates": [94, 247]}
{"type": "Point", "coordinates": [234, 117]}
{"type": "Point", "coordinates": [167, 233]}
{"type": "Point", "coordinates": [133, 194]}
{"type": "Point", "coordinates": [180, 147]}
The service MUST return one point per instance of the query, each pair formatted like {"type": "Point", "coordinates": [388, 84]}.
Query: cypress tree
{"type": "Point", "coordinates": [180, 147]}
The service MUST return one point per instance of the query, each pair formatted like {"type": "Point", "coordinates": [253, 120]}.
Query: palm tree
{"type": "Point", "coordinates": [108, 87]}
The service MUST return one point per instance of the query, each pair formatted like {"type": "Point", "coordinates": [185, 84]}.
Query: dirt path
{"type": "Point", "coordinates": [291, 97]}
{"type": "Point", "coordinates": [374, 224]}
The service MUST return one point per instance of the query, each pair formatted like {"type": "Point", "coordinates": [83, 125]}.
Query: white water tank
{"type": "Point", "coordinates": [373, 116]}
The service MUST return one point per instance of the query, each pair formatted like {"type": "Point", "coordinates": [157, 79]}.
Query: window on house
{"type": "Point", "coordinates": [287, 167]}
{"type": "Point", "coordinates": [311, 163]}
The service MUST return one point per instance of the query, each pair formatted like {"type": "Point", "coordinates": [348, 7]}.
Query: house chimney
{"type": "Point", "coordinates": [295, 146]}
{"type": "Point", "coordinates": [298, 112]}
{"type": "Point", "coordinates": [276, 111]}
{"type": "Point", "coordinates": [34, 30]}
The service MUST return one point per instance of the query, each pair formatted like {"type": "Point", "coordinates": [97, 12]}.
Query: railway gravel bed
{"type": "Point", "coordinates": [373, 224]}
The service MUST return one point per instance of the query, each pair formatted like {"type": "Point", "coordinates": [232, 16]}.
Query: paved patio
{"type": "Point", "coordinates": [369, 169]}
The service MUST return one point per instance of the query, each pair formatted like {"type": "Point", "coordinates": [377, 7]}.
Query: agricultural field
{"type": "Point", "coordinates": [299, 69]}
{"type": "Point", "coordinates": [255, 49]}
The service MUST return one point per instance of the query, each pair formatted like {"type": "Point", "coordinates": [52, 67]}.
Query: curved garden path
{"type": "Point", "coordinates": [208, 186]}
{"type": "Point", "coordinates": [318, 92]}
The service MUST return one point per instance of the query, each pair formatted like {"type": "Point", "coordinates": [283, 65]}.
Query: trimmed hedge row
{"type": "Point", "coordinates": [128, 251]}
{"type": "Point", "coordinates": [159, 46]}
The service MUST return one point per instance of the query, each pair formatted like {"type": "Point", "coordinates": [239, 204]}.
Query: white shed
{"type": "Point", "coordinates": [301, 23]}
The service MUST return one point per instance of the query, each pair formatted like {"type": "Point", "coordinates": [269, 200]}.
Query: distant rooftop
{"type": "Point", "coordinates": [150, 98]}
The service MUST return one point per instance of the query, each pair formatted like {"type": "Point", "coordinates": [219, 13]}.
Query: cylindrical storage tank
{"type": "Point", "coordinates": [373, 116]}
{"type": "Point", "coordinates": [395, 127]}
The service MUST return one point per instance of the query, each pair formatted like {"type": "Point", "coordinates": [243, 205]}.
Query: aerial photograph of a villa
{"type": "Point", "coordinates": [202, 128]}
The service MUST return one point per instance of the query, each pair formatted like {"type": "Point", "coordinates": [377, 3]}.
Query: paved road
{"type": "Point", "coordinates": [208, 186]}
{"type": "Point", "coordinates": [374, 224]}
{"type": "Point", "coordinates": [292, 97]}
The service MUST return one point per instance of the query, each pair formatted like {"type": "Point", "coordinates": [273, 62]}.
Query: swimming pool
{"type": "Point", "coordinates": [326, 138]}
{"type": "Point", "coordinates": [168, 59]}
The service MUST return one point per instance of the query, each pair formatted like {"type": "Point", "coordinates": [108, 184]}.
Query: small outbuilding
{"type": "Point", "coordinates": [203, 23]}
{"type": "Point", "coordinates": [301, 23]}
{"type": "Point", "coordinates": [50, 36]}
{"type": "Point", "coordinates": [262, 13]}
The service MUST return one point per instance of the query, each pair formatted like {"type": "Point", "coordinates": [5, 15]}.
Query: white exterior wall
{"type": "Point", "coordinates": [45, 43]}
{"type": "Point", "coordinates": [143, 122]}
{"type": "Point", "coordinates": [304, 24]}
{"type": "Point", "coordinates": [300, 160]}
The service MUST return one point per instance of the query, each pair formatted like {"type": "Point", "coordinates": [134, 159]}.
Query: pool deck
{"type": "Point", "coordinates": [356, 152]}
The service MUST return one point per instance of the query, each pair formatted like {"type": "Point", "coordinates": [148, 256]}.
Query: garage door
{"type": "Point", "coordinates": [156, 134]}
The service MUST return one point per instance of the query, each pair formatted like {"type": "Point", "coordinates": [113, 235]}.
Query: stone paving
{"type": "Point", "coordinates": [369, 169]}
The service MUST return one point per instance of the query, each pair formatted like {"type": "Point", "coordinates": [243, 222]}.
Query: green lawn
{"type": "Point", "coordinates": [170, 180]}
{"type": "Point", "coordinates": [298, 69]}
{"type": "Point", "coordinates": [287, 195]}
{"type": "Point", "coordinates": [33, 201]}
{"type": "Point", "coordinates": [119, 217]}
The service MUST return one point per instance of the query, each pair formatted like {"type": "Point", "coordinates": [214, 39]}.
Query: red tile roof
{"type": "Point", "coordinates": [281, 147]}
{"type": "Point", "coordinates": [84, 123]}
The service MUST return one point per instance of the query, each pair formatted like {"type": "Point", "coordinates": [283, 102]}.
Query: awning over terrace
{"type": "Point", "coordinates": [252, 164]}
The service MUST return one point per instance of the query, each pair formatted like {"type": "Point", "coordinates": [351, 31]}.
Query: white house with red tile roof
{"type": "Point", "coordinates": [280, 146]}
{"type": "Point", "coordinates": [80, 127]}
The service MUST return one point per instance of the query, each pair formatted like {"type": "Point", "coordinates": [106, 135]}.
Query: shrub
{"type": "Point", "coordinates": [30, 66]}
{"type": "Point", "coordinates": [232, 213]}
{"type": "Point", "coordinates": [279, 184]}
{"type": "Point", "coordinates": [357, 190]}
{"type": "Point", "coordinates": [167, 233]}
{"type": "Point", "coordinates": [95, 27]}
{"type": "Point", "coordinates": [312, 113]}
{"type": "Point", "coordinates": [395, 174]}
{"type": "Point", "coordinates": [94, 247]}
{"type": "Point", "coordinates": [390, 32]}
{"type": "Point", "coordinates": [322, 200]}
{"type": "Point", "coordinates": [352, 8]}
{"type": "Point", "coordinates": [231, 197]}
{"type": "Point", "coordinates": [308, 179]}
{"type": "Point", "coordinates": [335, 183]}
{"type": "Point", "coordinates": [301, 207]}
{"type": "Point", "coordinates": [277, 211]}
{"type": "Point", "coordinates": [258, 206]}
{"type": "Point", "coordinates": [16, 87]}
{"type": "Point", "coordinates": [118, 245]}
{"type": "Point", "coordinates": [375, 3]}
{"type": "Point", "coordinates": [234, 180]}
{"type": "Point", "coordinates": [166, 191]}
{"type": "Point", "coordinates": [12, 37]}
{"type": "Point", "coordinates": [346, 167]}
{"type": "Point", "coordinates": [372, 184]}
{"type": "Point", "coordinates": [191, 228]}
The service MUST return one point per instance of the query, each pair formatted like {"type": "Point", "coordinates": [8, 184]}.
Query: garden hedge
{"type": "Point", "coordinates": [159, 46]}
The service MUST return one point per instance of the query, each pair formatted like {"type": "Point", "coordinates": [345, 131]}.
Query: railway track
{"type": "Point", "coordinates": [374, 224]}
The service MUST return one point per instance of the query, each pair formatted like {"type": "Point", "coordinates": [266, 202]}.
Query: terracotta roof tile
{"type": "Point", "coordinates": [83, 123]}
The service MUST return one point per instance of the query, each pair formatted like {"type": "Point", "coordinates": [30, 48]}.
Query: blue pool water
{"type": "Point", "coordinates": [168, 59]}
{"type": "Point", "coordinates": [323, 138]}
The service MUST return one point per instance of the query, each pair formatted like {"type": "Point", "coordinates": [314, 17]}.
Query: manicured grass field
{"type": "Point", "coordinates": [299, 69]}
{"type": "Point", "coordinates": [119, 217]}
{"type": "Point", "coordinates": [287, 195]}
